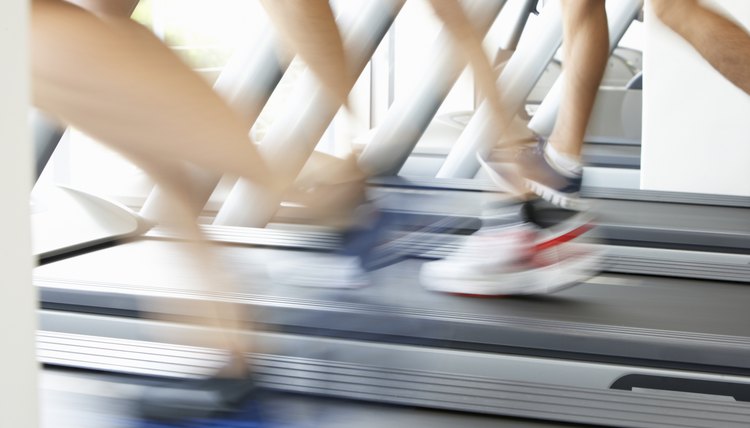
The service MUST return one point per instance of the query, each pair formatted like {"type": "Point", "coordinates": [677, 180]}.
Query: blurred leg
{"type": "Point", "coordinates": [309, 29]}
{"type": "Point", "coordinates": [225, 319]}
{"type": "Point", "coordinates": [723, 43]}
{"type": "Point", "coordinates": [122, 8]}
{"type": "Point", "coordinates": [457, 23]}
{"type": "Point", "coordinates": [118, 83]}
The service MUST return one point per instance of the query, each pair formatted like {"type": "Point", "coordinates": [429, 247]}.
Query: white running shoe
{"type": "Point", "coordinates": [514, 260]}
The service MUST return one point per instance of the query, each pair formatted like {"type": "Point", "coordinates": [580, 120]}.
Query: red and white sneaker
{"type": "Point", "coordinates": [516, 260]}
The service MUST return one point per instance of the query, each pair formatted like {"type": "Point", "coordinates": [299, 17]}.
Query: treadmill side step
{"type": "Point", "coordinates": [678, 263]}
{"type": "Point", "coordinates": [498, 384]}
{"type": "Point", "coordinates": [620, 259]}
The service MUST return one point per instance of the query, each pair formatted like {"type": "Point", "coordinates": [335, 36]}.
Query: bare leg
{"type": "Point", "coordinates": [331, 188]}
{"type": "Point", "coordinates": [122, 8]}
{"type": "Point", "coordinates": [457, 23]}
{"type": "Point", "coordinates": [309, 29]}
{"type": "Point", "coordinates": [723, 43]}
{"type": "Point", "coordinates": [117, 82]}
{"type": "Point", "coordinates": [586, 48]}
{"type": "Point", "coordinates": [225, 320]}
{"type": "Point", "coordinates": [120, 84]}
{"type": "Point", "coordinates": [553, 171]}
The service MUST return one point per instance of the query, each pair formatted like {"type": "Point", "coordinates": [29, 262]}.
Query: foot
{"type": "Point", "coordinates": [535, 172]}
{"type": "Point", "coordinates": [328, 190]}
{"type": "Point", "coordinates": [560, 188]}
{"type": "Point", "coordinates": [514, 260]}
{"type": "Point", "coordinates": [364, 247]}
{"type": "Point", "coordinates": [210, 397]}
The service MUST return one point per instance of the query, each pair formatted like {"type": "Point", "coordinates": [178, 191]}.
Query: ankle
{"type": "Point", "coordinates": [567, 164]}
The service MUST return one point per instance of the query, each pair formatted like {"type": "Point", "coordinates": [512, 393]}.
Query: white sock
{"type": "Point", "coordinates": [564, 164]}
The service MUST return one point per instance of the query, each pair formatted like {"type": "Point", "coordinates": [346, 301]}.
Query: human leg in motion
{"type": "Point", "coordinates": [330, 187]}
{"type": "Point", "coordinates": [723, 43]}
{"type": "Point", "coordinates": [121, 8]}
{"type": "Point", "coordinates": [511, 253]}
{"type": "Point", "coordinates": [114, 80]}
{"type": "Point", "coordinates": [553, 170]}
{"type": "Point", "coordinates": [309, 29]}
{"type": "Point", "coordinates": [586, 50]}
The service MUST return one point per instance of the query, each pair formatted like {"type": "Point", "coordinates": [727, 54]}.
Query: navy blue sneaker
{"type": "Point", "coordinates": [547, 182]}
{"type": "Point", "coordinates": [364, 247]}
{"type": "Point", "coordinates": [195, 402]}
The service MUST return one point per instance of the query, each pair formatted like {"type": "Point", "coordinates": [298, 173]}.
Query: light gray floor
{"type": "Point", "coordinates": [77, 400]}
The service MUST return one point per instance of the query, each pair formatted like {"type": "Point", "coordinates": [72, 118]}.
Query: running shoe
{"type": "Point", "coordinates": [547, 182]}
{"type": "Point", "coordinates": [515, 260]}
{"type": "Point", "coordinates": [533, 170]}
{"type": "Point", "coordinates": [363, 248]}
{"type": "Point", "coordinates": [195, 399]}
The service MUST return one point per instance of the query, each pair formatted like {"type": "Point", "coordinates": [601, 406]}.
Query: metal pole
{"type": "Point", "coordinates": [246, 83]}
{"type": "Point", "coordinates": [519, 23]}
{"type": "Point", "coordinates": [47, 134]}
{"type": "Point", "coordinates": [408, 118]}
{"type": "Point", "coordinates": [293, 136]}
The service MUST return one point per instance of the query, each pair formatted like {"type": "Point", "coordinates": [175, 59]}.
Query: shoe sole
{"type": "Point", "coordinates": [557, 198]}
{"type": "Point", "coordinates": [547, 193]}
{"type": "Point", "coordinates": [512, 184]}
{"type": "Point", "coordinates": [542, 280]}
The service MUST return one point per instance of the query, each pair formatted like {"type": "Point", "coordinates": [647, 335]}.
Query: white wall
{"type": "Point", "coordinates": [696, 127]}
{"type": "Point", "coordinates": [18, 367]}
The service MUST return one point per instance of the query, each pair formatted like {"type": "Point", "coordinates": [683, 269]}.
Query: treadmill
{"type": "Point", "coordinates": [649, 342]}
{"type": "Point", "coordinates": [617, 350]}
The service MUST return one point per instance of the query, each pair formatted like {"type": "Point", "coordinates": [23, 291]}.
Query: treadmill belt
{"type": "Point", "coordinates": [661, 320]}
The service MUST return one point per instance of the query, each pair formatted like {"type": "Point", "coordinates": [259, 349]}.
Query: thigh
{"type": "Point", "coordinates": [107, 7]}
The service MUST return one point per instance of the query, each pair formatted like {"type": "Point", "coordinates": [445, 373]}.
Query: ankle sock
{"type": "Point", "coordinates": [565, 164]}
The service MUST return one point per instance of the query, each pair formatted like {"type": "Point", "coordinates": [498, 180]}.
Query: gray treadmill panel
{"type": "Point", "coordinates": [695, 219]}
{"type": "Point", "coordinates": [657, 319]}
{"type": "Point", "coordinates": [551, 389]}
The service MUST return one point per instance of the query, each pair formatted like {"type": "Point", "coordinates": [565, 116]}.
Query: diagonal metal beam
{"type": "Point", "coordinates": [293, 136]}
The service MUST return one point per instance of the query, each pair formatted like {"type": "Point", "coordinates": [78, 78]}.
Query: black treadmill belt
{"type": "Point", "coordinates": [659, 319]}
